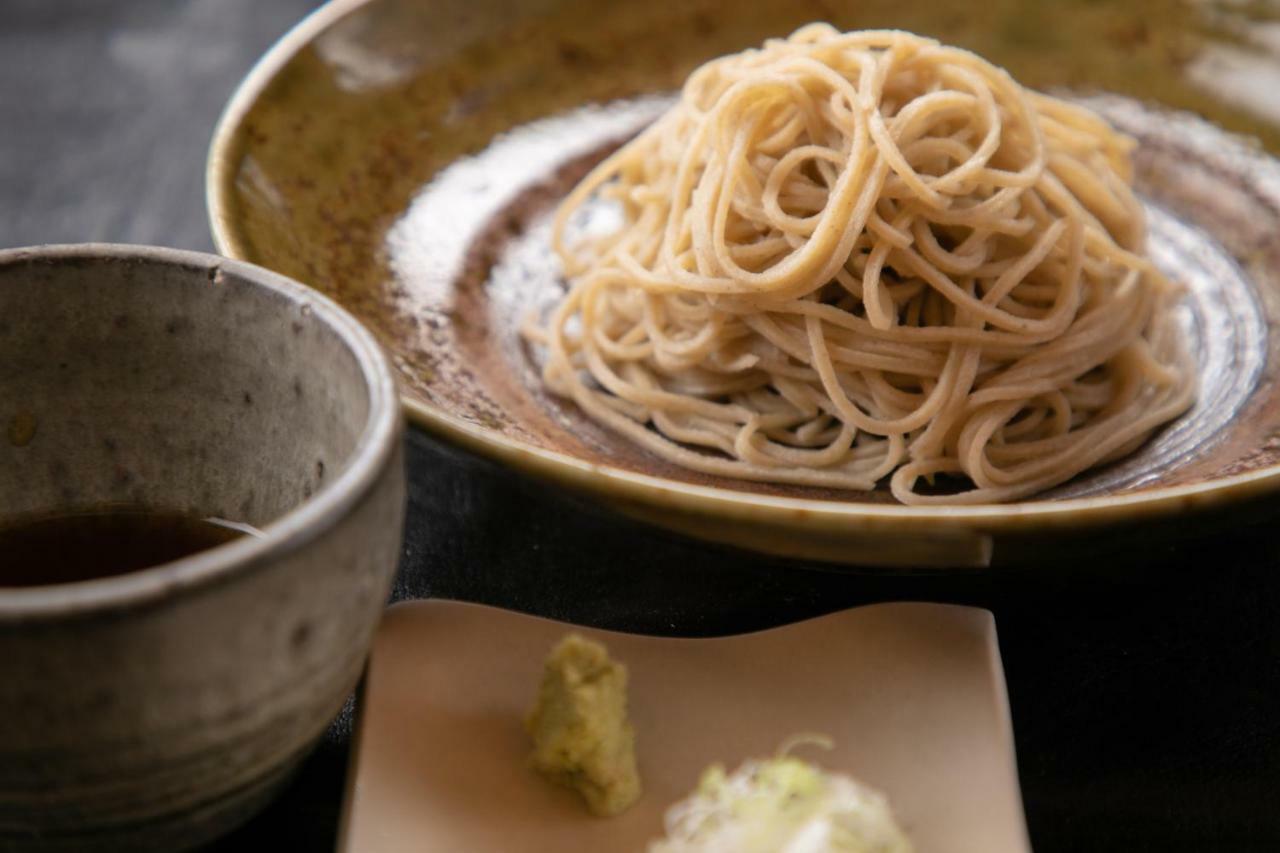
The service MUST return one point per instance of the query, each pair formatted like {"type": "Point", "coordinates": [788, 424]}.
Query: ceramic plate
{"type": "Point", "coordinates": [913, 696]}
{"type": "Point", "coordinates": [404, 158]}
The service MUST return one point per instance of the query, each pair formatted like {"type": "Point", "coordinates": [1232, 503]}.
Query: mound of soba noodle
{"type": "Point", "coordinates": [851, 256]}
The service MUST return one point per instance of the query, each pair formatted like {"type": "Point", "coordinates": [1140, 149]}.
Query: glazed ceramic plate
{"type": "Point", "coordinates": [912, 695]}
{"type": "Point", "coordinates": [404, 158]}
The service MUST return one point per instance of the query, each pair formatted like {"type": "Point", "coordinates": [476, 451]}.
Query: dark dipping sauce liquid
{"type": "Point", "coordinates": [81, 546]}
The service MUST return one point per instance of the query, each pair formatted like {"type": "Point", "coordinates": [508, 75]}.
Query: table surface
{"type": "Point", "coordinates": [1144, 701]}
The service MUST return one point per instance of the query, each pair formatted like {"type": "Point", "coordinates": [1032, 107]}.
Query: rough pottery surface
{"type": "Point", "coordinates": [156, 709]}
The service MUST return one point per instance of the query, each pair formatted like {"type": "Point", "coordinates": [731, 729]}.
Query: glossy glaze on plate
{"type": "Point", "coordinates": [912, 695]}
{"type": "Point", "coordinates": [405, 163]}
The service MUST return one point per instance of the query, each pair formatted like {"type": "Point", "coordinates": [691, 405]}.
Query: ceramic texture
{"type": "Point", "coordinates": [912, 696]}
{"type": "Point", "coordinates": [405, 161]}
{"type": "Point", "coordinates": [157, 709]}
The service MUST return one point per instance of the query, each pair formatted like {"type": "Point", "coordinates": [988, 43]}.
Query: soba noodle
{"type": "Point", "coordinates": [851, 256]}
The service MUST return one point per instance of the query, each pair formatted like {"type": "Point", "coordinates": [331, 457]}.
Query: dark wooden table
{"type": "Point", "coordinates": [1146, 700]}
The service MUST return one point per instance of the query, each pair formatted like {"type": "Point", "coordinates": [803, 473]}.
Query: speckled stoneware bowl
{"type": "Point", "coordinates": [153, 710]}
{"type": "Point", "coordinates": [404, 157]}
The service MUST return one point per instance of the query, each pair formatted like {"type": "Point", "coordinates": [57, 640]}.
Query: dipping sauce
{"type": "Point", "coordinates": [81, 546]}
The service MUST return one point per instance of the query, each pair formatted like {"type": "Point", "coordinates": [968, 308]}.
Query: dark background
{"type": "Point", "coordinates": [1144, 697]}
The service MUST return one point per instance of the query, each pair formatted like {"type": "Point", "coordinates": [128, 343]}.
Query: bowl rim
{"type": "Point", "coordinates": [713, 503]}
{"type": "Point", "coordinates": [362, 468]}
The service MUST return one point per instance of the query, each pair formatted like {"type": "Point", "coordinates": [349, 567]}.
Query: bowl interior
{"type": "Point", "coordinates": [404, 160]}
{"type": "Point", "coordinates": [181, 385]}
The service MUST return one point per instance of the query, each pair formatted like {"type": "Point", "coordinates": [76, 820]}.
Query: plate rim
{"type": "Point", "coordinates": [840, 518]}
